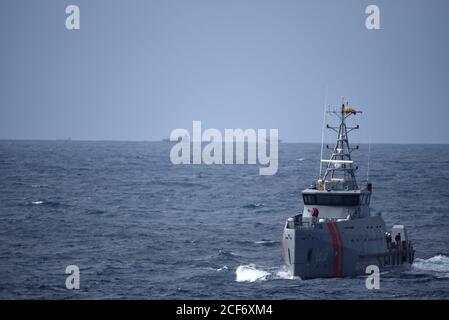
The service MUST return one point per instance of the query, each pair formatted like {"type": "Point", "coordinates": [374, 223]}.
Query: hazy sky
{"type": "Point", "coordinates": [136, 70]}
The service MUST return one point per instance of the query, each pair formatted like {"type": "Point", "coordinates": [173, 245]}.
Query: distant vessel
{"type": "Point", "coordinates": [185, 138]}
{"type": "Point", "coordinates": [336, 235]}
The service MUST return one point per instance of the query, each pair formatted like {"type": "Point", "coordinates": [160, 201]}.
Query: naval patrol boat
{"type": "Point", "coordinates": [336, 235]}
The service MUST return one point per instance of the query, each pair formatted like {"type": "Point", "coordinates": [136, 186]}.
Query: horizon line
{"type": "Point", "coordinates": [165, 141]}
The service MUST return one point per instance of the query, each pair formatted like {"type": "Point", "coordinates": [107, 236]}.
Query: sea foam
{"type": "Point", "coordinates": [252, 273]}
{"type": "Point", "coordinates": [437, 263]}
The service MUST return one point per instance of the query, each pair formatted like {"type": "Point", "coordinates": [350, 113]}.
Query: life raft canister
{"type": "Point", "coordinates": [314, 212]}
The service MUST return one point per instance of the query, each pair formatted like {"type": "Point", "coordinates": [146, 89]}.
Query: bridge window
{"type": "Point", "coordinates": [331, 199]}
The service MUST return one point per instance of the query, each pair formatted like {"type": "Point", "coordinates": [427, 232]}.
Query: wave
{"type": "Point", "coordinates": [252, 273]}
{"type": "Point", "coordinates": [39, 186]}
{"type": "Point", "coordinates": [95, 211]}
{"type": "Point", "coordinates": [44, 202]}
{"type": "Point", "coordinates": [222, 268]}
{"type": "Point", "coordinates": [267, 243]}
{"type": "Point", "coordinates": [227, 253]}
{"type": "Point", "coordinates": [253, 206]}
{"type": "Point", "coordinates": [439, 263]}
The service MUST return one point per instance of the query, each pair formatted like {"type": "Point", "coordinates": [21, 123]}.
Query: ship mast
{"type": "Point", "coordinates": [340, 170]}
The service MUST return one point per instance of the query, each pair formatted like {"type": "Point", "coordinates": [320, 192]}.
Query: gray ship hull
{"type": "Point", "coordinates": [341, 248]}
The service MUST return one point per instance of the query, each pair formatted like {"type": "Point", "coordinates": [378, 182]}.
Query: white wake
{"type": "Point", "coordinates": [438, 263]}
{"type": "Point", "coordinates": [252, 273]}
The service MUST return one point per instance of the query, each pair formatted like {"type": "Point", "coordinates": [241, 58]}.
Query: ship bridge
{"type": "Point", "coordinates": [348, 204]}
{"type": "Point", "coordinates": [336, 194]}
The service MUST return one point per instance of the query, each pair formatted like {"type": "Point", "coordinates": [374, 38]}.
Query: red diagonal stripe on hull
{"type": "Point", "coordinates": [340, 245]}
{"type": "Point", "coordinates": [335, 254]}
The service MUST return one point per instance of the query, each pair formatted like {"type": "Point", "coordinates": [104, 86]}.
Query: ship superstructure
{"type": "Point", "coordinates": [336, 235]}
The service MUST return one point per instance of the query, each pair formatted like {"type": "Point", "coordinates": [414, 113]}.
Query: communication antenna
{"type": "Point", "coordinates": [322, 128]}
{"type": "Point", "coordinates": [369, 157]}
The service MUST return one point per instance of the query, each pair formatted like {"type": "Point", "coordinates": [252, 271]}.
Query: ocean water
{"type": "Point", "coordinates": [139, 227]}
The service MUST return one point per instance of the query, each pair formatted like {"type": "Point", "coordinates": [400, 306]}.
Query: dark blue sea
{"type": "Point", "coordinates": [140, 227]}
